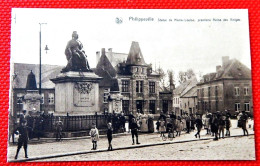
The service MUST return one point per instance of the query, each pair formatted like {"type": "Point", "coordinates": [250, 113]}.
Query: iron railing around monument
{"type": "Point", "coordinates": [75, 123]}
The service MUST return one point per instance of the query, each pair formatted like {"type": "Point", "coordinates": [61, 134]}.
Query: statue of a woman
{"type": "Point", "coordinates": [77, 59]}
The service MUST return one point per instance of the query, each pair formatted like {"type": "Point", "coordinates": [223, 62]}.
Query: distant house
{"type": "Point", "coordinates": [113, 57]}
{"type": "Point", "coordinates": [180, 91]}
{"type": "Point", "coordinates": [18, 84]}
{"type": "Point", "coordinates": [189, 101]}
{"type": "Point", "coordinates": [229, 88]}
{"type": "Point", "coordinates": [109, 94]}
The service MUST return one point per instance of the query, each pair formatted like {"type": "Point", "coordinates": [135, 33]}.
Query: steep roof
{"type": "Point", "coordinates": [116, 58]}
{"type": "Point", "coordinates": [233, 69]}
{"type": "Point", "coordinates": [135, 56]}
{"type": "Point", "coordinates": [190, 93]}
{"type": "Point", "coordinates": [21, 71]}
{"type": "Point", "coordinates": [186, 86]}
{"type": "Point", "coordinates": [106, 70]}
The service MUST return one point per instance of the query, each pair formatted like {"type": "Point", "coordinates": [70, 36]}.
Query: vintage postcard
{"type": "Point", "coordinates": [128, 84]}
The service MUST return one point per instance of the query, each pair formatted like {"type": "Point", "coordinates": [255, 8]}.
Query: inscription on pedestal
{"type": "Point", "coordinates": [83, 94]}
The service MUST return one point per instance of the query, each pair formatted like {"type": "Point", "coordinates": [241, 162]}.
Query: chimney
{"type": "Point", "coordinates": [172, 87]}
{"type": "Point", "coordinates": [103, 51]}
{"type": "Point", "coordinates": [97, 57]}
{"type": "Point", "coordinates": [110, 55]}
{"type": "Point", "coordinates": [218, 68]}
{"type": "Point", "coordinates": [225, 60]}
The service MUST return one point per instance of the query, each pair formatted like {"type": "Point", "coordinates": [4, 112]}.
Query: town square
{"type": "Point", "coordinates": [128, 105]}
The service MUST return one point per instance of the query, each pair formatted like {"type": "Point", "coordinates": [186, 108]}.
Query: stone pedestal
{"type": "Point", "coordinates": [76, 93]}
{"type": "Point", "coordinates": [31, 102]}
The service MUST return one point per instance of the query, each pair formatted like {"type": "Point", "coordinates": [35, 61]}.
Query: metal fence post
{"type": "Point", "coordinates": [96, 119]}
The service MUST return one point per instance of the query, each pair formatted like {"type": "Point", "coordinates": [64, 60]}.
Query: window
{"type": "Point", "coordinates": [125, 86]}
{"type": "Point", "coordinates": [216, 91]}
{"type": "Point", "coordinates": [209, 91]}
{"type": "Point", "coordinates": [151, 87]}
{"type": "Point", "coordinates": [246, 91]}
{"type": "Point", "coordinates": [136, 70]}
{"type": "Point", "coordinates": [237, 106]}
{"type": "Point", "coordinates": [106, 94]}
{"type": "Point", "coordinates": [202, 92]}
{"type": "Point", "coordinates": [139, 86]}
{"type": "Point", "coordinates": [51, 98]}
{"type": "Point", "coordinates": [143, 70]}
{"type": "Point", "coordinates": [125, 105]}
{"type": "Point", "coordinates": [247, 107]}
{"type": "Point", "coordinates": [42, 98]}
{"type": "Point", "coordinates": [237, 93]}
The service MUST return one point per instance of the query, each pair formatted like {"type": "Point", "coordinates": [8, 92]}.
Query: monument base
{"type": "Point", "coordinates": [76, 93]}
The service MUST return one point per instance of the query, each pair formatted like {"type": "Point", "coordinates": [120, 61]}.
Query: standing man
{"type": "Point", "coordinates": [188, 119]}
{"type": "Point", "coordinates": [199, 124]}
{"type": "Point", "coordinates": [109, 136]}
{"type": "Point", "coordinates": [221, 126]}
{"type": "Point", "coordinates": [243, 120]}
{"type": "Point", "coordinates": [122, 120]}
{"type": "Point", "coordinates": [58, 125]}
{"type": "Point", "coordinates": [22, 130]}
{"type": "Point", "coordinates": [134, 131]}
{"type": "Point", "coordinates": [130, 119]}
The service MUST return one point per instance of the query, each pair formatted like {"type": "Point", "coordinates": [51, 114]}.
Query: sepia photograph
{"type": "Point", "coordinates": [130, 84]}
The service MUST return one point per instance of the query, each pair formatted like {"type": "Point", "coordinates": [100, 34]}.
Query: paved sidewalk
{"type": "Point", "coordinates": [123, 141]}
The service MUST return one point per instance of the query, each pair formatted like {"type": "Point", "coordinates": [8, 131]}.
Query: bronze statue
{"type": "Point", "coordinates": [77, 59]}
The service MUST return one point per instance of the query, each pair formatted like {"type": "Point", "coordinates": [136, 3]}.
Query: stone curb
{"type": "Point", "coordinates": [120, 148]}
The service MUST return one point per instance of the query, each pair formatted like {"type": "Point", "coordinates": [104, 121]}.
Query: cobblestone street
{"type": "Point", "coordinates": [188, 150]}
{"type": "Point", "coordinates": [228, 149]}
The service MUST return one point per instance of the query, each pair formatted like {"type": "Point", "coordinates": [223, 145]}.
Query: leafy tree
{"type": "Point", "coordinates": [184, 76]}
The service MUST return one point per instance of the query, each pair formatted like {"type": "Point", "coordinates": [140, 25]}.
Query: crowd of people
{"type": "Point", "coordinates": [215, 124]}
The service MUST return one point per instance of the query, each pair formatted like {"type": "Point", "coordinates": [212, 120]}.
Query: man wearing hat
{"type": "Point", "coordinates": [22, 130]}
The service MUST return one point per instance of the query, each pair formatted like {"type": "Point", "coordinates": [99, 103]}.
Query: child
{"type": "Point", "coordinates": [179, 126]}
{"type": "Point", "coordinates": [94, 136]}
{"type": "Point", "coordinates": [162, 128]}
{"type": "Point", "coordinates": [109, 136]}
{"type": "Point", "coordinates": [228, 125]}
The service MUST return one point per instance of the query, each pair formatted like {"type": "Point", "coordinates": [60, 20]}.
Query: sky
{"type": "Point", "coordinates": [175, 45]}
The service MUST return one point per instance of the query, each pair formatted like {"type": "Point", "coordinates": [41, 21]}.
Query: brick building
{"type": "Point", "coordinates": [229, 88]}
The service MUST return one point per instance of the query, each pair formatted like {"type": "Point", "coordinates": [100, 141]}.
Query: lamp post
{"type": "Point", "coordinates": [40, 65]}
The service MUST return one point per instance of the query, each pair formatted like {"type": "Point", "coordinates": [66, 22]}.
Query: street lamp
{"type": "Point", "coordinates": [40, 66]}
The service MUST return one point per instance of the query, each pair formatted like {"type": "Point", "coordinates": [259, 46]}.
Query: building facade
{"type": "Point", "coordinates": [181, 90]}
{"type": "Point", "coordinates": [229, 88]}
{"type": "Point", "coordinates": [189, 101]}
{"type": "Point", "coordinates": [138, 84]}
